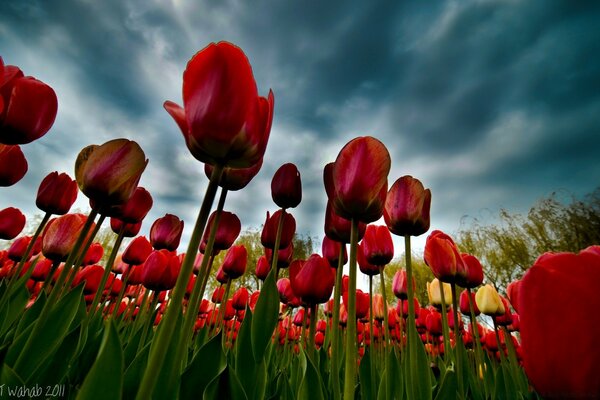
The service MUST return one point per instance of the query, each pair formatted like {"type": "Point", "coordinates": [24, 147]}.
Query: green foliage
{"type": "Point", "coordinates": [421, 273]}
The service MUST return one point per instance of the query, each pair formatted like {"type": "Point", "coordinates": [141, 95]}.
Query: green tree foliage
{"type": "Point", "coordinates": [421, 273]}
{"type": "Point", "coordinates": [508, 248]}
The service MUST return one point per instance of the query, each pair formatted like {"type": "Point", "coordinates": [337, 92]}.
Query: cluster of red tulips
{"type": "Point", "coordinates": [138, 323]}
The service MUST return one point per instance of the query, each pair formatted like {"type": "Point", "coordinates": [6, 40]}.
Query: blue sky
{"type": "Point", "coordinates": [492, 104]}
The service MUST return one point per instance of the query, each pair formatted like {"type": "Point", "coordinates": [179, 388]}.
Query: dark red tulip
{"type": "Point", "coordinates": [129, 230]}
{"type": "Point", "coordinates": [506, 318]}
{"type": "Point", "coordinates": [165, 232]}
{"type": "Point", "coordinates": [312, 280]}
{"type": "Point", "coordinates": [262, 268]}
{"type": "Point", "coordinates": [377, 245]}
{"type": "Point", "coordinates": [400, 284]}
{"type": "Point", "coordinates": [442, 256]}
{"type": "Point", "coordinates": [360, 179]}
{"type": "Point", "coordinates": [403, 306]}
{"type": "Point", "coordinates": [41, 270]}
{"type": "Point", "coordinates": [60, 235]}
{"type": "Point", "coordinates": [93, 254]}
{"type": "Point", "coordinates": [136, 208]}
{"type": "Point", "coordinates": [92, 276]}
{"type": "Point", "coordinates": [286, 186]}
{"type": "Point", "coordinates": [463, 303]}
{"type": "Point", "coordinates": [234, 179]}
{"type": "Point", "coordinates": [227, 232]}
{"type": "Point", "coordinates": [450, 317]}
{"type": "Point", "coordinates": [17, 249]}
{"type": "Point", "coordinates": [137, 251]}
{"type": "Point", "coordinates": [223, 119]}
{"type": "Point", "coordinates": [56, 193]}
{"type": "Point", "coordinates": [338, 228]}
{"type": "Point", "coordinates": [362, 303]}
{"type": "Point", "coordinates": [160, 270]}
{"type": "Point", "coordinates": [108, 174]}
{"type": "Point", "coordinates": [235, 261]}
{"type": "Point", "coordinates": [286, 293]}
{"type": "Point", "coordinates": [240, 298]}
{"type": "Point", "coordinates": [571, 280]}
{"type": "Point", "coordinates": [284, 256]}
{"type": "Point", "coordinates": [407, 207]}
{"type": "Point", "coordinates": [363, 264]}
{"type": "Point", "coordinates": [433, 323]}
{"type": "Point", "coordinates": [29, 107]}
{"type": "Point", "coordinates": [474, 272]}
{"type": "Point", "coordinates": [269, 231]}
{"type": "Point", "coordinates": [331, 251]}
{"type": "Point", "coordinates": [13, 164]}
{"type": "Point", "coordinates": [12, 222]}
{"type": "Point", "coordinates": [218, 293]}
{"type": "Point", "coordinates": [512, 291]}
{"type": "Point", "coordinates": [135, 274]}
{"type": "Point", "coordinates": [221, 276]}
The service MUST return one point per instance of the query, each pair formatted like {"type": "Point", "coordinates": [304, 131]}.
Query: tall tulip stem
{"type": "Point", "coordinates": [445, 330]}
{"type": "Point", "coordinates": [350, 371]}
{"type": "Point", "coordinates": [411, 332]}
{"type": "Point", "coordinates": [274, 263]}
{"type": "Point", "coordinates": [312, 332]}
{"type": "Point", "coordinates": [386, 324]}
{"type": "Point", "coordinates": [335, 326]}
{"type": "Point", "coordinates": [167, 326]}
{"type": "Point", "coordinates": [458, 340]}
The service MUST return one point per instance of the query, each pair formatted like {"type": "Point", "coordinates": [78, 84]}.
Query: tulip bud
{"type": "Point", "coordinates": [312, 280]}
{"type": "Point", "coordinates": [433, 291]}
{"type": "Point", "coordinates": [41, 270]}
{"type": "Point", "coordinates": [13, 164]}
{"type": "Point", "coordinates": [227, 231]}
{"type": "Point", "coordinates": [377, 245]}
{"type": "Point", "coordinates": [474, 272]}
{"type": "Point", "coordinates": [284, 256]}
{"type": "Point", "coordinates": [12, 222]}
{"type": "Point", "coordinates": [29, 108]}
{"type": "Point", "coordinates": [433, 323]}
{"type": "Point", "coordinates": [465, 301]}
{"type": "Point", "coordinates": [362, 303]}
{"type": "Point", "coordinates": [93, 254]}
{"type": "Point", "coordinates": [234, 264]}
{"type": "Point", "coordinates": [218, 293]}
{"type": "Point", "coordinates": [165, 232]}
{"type": "Point", "coordinates": [269, 231]}
{"type": "Point", "coordinates": [127, 230]}
{"type": "Point", "coordinates": [359, 179]}
{"type": "Point", "coordinates": [488, 301]}
{"type": "Point", "coordinates": [240, 298]}
{"type": "Point", "coordinates": [400, 284]}
{"type": "Point", "coordinates": [286, 294]}
{"type": "Point", "coordinates": [136, 208]}
{"type": "Point", "coordinates": [442, 256]}
{"type": "Point", "coordinates": [407, 205]}
{"type": "Point", "coordinates": [60, 235]}
{"type": "Point", "coordinates": [160, 270]}
{"type": "Point", "coordinates": [286, 186]}
{"type": "Point", "coordinates": [56, 193]}
{"type": "Point", "coordinates": [17, 249]}
{"type": "Point", "coordinates": [262, 268]}
{"type": "Point", "coordinates": [331, 251]}
{"type": "Point", "coordinates": [234, 179]}
{"type": "Point", "coordinates": [338, 228]}
{"type": "Point", "coordinates": [364, 265]}
{"type": "Point", "coordinates": [137, 251]}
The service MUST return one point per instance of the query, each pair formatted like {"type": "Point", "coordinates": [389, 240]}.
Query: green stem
{"type": "Point", "coordinates": [411, 329]}
{"type": "Point", "coordinates": [335, 326]}
{"type": "Point", "coordinates": [445, 330]}
{"type": "Point", "coordinates": [371, 338]}
{"type": "Point", "coordinates": [350, 372]}
{"type": "Point", "coordinates": [277, 243]}
{"type": "Point", "coordinates": [386, 325]}
{"type": "Point", "coordinates": [53, 296]}
{"type": "Point", "coordinates": [148, 319]}
{"type": "Point", "coordinates": [45, 285]}
{"type": "Point", "coordinates": [478, 349]}
{"type": "Point", "coordinates": [165, 334]}
{"type": "Point", "coordinates": [312, 332]}
{"type": "Point", "coordinates": [458, 340]}
{"type": "Point", "coordinates": [125, 279]}
{"type": "Point", "coordinates": [219, 325]}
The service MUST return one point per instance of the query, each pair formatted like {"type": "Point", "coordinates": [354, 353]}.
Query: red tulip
{"type": "Point", "coordinates": [12, 222]}
{"type": "Point", "coordinates": [433, 323]}
{"type": "Point", "coordinates": [286, 186]}
{"type": "Point", "coordinates": [13, 165]}
{"type": "Point", "coordinates": [93, 254]}
{"type": "Point", "coordinates": [377, 245]}
{"type": "Point", "coordinates": [262, 268]}
{"type": "Point", "coordinates": [240, 298]}
{"type": "Point", "coordinates": [234, 179]}
{"type": "Point", "coordinates": [338, 228]}
{"type": "Point", "coordinates": [464, 303]}
{"type": "Point", "coordinates": [223, 120]}
{"type": "Point", "coordinates": [312, 280]}
{"type": "Point", "coordinates": [331, 251]}
{"type": "Point", "coordinates": [378, 308]}
{"type": "Point", "coordinates": [400, 284]}
{"type": "Point", "coordinates": [56, 193]}
{"type": "Point", "coordinates": [227, 231]}
{"type": "Point", "coordinates": [136, 208]}
{"type": "Point", "coordinates": [108, 174]}
{"type": "Point", "coordinates": [129, 230]}
{"type": "Point", "coordinates": [284, 256]}
{"type": "Point", "coordinates": [269, 231]}
{"type": "Point", "coordinates": [286, 293]}
{"type": "Point", "coordinates": [160, 270]}
{"type": "Point", "coordinates": [360, 179]}
{"type": "Point", "coordinates": [218, 293]}
{"type": "Point", "coordinates": [17, 249]}
{"type": "Point", "coordinates": [91, 275]}
{"type": "Point", "coordinates": [221, 276]}
{"type": "Point", "coordinates": [165, 232]}
{"type": "Point", "coordinates": [407, 207]}
{"type": "Point", "coordinates": [473, 272]}
{"type": "Point", "coordinates": [41, 270]}
{"type": "Point", "coordinates": [363, 264]}
{"type": "Point", "coordinates": [137, 251]}
{"type": "Point", "coordinates": [234, 264]}
{"type": "Point", "coordinates": [403, 306]}
{"type": "Point", "coordinates": [442, 256]}
{"type": "Point", "coordinates": [362, 303]}
{"type": "Point", "coordinates": [29, 107]}
{"type": "Point", "coordinates": [512, 291]}
{"type": "Point", "coordinates": [61, 234]}
{"type": "Point", "coordinates": [572, 280]}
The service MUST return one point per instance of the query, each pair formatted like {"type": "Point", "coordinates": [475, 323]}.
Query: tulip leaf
{"type": "Point", "coordinates": [57, 367]}
{"type": "Point", "coordinates": [9, 377]}
{"type": "Point", "coordinates": [13, 308]}
{"type": "Point", "coordinates": [170, 373]}
{"type": "Point", "coordinates": [392, 380]}
{"type": "Point", "coordinates": [366, 377]}
{"type": "Point", "coordinates": [105, 379]}
{"type": "Point", "coordinates": [134, 372]}
{"type": "Point", "coordinates": [32, 313]}
{"type": "Point", "coordinates": [225, 386]}
{"type": "Point", "coordinates": [251, 375]}
{"type": "Point", "coordinates": [422, 373]}
{"type": "Point", "coordinates": [208, 363]}
{"type": "Point", "coordinates": [266, 315]}
{"type": "Point", "coordinates": [311, 387]}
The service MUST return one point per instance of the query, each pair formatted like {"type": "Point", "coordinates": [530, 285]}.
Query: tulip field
{"type": "Point", "coordinates": [136, 320]}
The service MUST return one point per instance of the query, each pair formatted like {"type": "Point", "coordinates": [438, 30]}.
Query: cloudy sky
{"type": "Point", "coordinates": [490, 103]}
